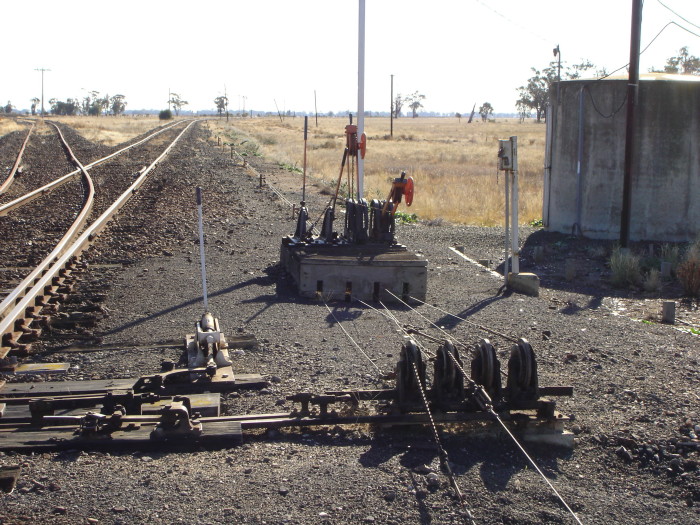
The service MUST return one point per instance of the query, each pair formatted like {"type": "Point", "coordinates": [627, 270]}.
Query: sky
{"type": "Point", "coordinates": [269, 54]}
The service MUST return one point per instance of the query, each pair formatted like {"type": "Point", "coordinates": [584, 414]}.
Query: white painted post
{"type": "Point", "coordinates": [515, 264]}
{"type": "Point", "coordinates": [361, 98]}
{"type": "Point", "coordinates": [201, 250]}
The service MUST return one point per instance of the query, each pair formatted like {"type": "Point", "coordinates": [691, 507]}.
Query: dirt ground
{"type": "Point", "coordinates": [636, 406]}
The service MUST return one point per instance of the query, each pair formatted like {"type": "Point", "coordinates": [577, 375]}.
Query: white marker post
{"type": "Point", "coordinates": [361, 98]}
{"type": "Point", "coordinates": [515, 264]}
{"type": "Point", "coordinates": [201, 249]}
{"type": "Point", "coordinates": [508, 162]}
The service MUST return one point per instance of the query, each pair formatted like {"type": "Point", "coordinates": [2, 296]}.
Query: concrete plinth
{"type": "Point", "coordinates": [527, 283]}
{"type": "Point", "coordinates": [355, 271]}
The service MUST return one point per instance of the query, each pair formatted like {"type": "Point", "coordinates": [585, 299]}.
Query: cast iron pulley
{"type": "Point", "coordinates": [522, 372]}
{"type": "Point", "coordinates": [408, 385]}
{"type": "Point", "coordinates": [448, 380]}
{"type": "Point", "coordinates": [486, 369]}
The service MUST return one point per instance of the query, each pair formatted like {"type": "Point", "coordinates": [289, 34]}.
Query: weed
{"type": "Point", "coordinates": [291, 168]}
{"type": "Point", "coordinates": [652, 281]}
{"type": "Point", "coordinates": [439, 221]}
{"type": "Point", "coordinates": [596, 252]}
{"type": "Point", "coordinates": [688, 273]}
{"type": "Point", "coordinates": [671, 253]}
{"type": "Point", "coordinates": [625, 268]}
{"type": "Point", "coordinates": [405, 218]}
{"type": "Point", "coordinates": [536, 223]}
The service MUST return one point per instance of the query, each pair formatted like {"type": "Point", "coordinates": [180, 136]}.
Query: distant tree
{"type": "Point", "coordinates": [69, 107]}
{"type": "Point", "coordinates": [398, 104]}
{"type": "Point", "coordinates": [118, 104]}
{"type": "Point", "coordinates": [524, 112]}
{"type": "Point", "coordinates": [485, 110]}
{"type": "Point", "coordinates": [459, 116]}
{"type": "Point", "coordinates": [35, 101]}
{"type": "Point", "coordinates": [166, 114]}
{"type": "Point", "coordinates": [535, 93]}
{"type": "Point", "coordinates": [414, 102]}
{"type": "Point", "coordinates": [683, 64]}
{"type": "Point", "coordinates": [221, 104]}
{"type": "Point", "coordinates": [8, 107]}
{"type": "Point", "coordinates": [177, 102]}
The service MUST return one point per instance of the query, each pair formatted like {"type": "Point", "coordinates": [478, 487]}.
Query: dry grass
{"type": "Point", "coordinates": [109, 130]}
{"type": "Point", "coordinates": [9, 125]}
{"type": "Point", "coordinates": [453, 163]}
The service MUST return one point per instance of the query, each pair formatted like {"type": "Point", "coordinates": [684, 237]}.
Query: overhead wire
{"type": "Point", "coordinates": [678, 15]}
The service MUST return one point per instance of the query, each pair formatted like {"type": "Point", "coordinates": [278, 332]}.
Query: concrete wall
{"type": "Point", "coordinates": [666, 174]}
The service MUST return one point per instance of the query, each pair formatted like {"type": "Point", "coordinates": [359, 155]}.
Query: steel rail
{"type": "Point", "coordinates": [13, 297]}
{"type": "Point", "coordinates": [11, 177]}
{"type": "Point", "coordinates": [48, 188]}
{"type": "Point", "coordinates": [86, 237]}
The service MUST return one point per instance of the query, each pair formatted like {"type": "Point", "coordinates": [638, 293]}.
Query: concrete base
{"type": "Point", "coordinates": [355, 271]}
{"type": "Point", "coordinates": [527, 283]}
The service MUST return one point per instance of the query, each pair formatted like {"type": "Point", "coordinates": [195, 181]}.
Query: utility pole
{"type": "Point", "coordinates": [391, 109]}
{"type": "Point", "coordinates": [42, 69]}
{"type": "Point", "coordinates": [169, 97]}
{"type": "Point", "coordinates": [632, 92]}
{"type": "Point", "coordinates": [557, 53]}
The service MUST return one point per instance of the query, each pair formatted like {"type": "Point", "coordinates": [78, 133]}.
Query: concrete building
{"type": "Point", "coordinates": [586, 151]}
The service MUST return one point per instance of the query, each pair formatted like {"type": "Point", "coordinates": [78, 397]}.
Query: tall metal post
{"type": "Point", "coordinates": [391, 109]}
{"type": "Point", "coordinates": [506, 262]}
{"type": "Point", "coordinates": [42, 87]}
{"type": "Point", "coordinates": [361, 97]}
{"type": "Point", "coordinates": [632, 91]}
{"type": "Point", "coordinates": [515, 263]}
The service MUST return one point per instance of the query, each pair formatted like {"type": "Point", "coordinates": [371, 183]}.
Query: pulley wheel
{"type": "Point", "coordinates": [522, 371]}
{"type": "Point", "coordinates": [486, 370]}
{"type": "Point", "coordinates": [407, 384]}
{"type": "Point", "coordinates": [448, 380]}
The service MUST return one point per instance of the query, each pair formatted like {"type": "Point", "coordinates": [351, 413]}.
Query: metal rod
{"type": "Point", "coordinates": [361, 98]}
{"type": "Point", "coordinates": [515, 263]}
{"type": "Point", "coordinates": [315, 108]}
{"type": "Point", "coordinates": [303, 188]}
{"type": "Point", "coordinates": [632, 89]}
{"type": "Point", "coordinates": [506, 265]}
{"type": "Point", "coordinates": [201, 249]}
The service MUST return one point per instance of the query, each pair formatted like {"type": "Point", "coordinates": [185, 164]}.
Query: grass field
{"type": "Point", "coordinates": [453, 163]}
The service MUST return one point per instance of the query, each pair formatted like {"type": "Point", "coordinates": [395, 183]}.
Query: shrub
{"type": "Point", "coordinates": [652, 281]}
{"type": "Point", "coordinates": [671, 253]}
{"type": "Point", "coordinates": [166, 114]}
{"type": "Point", "coordinates": [688, 273]}
{"type": "Point", "coordinates": [625, 268]}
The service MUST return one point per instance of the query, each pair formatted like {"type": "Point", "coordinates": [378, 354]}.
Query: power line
{"type": "Point", "coordinates": [504, 17]}
{"type": "Point", "coordinates": [678, 15]}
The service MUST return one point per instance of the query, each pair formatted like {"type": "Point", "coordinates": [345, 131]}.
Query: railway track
{"type": "Point", "coordinates": [26, 308]}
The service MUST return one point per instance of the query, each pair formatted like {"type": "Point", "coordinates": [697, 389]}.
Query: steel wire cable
{"type": "Point", "coordinates": [504, 336]}
{"type": "Point", "coordinates": [352, 340]}
{"type": "Point", "coordinates": [442, 453]}
{"type": "Point", "coordinates": [489, 408]}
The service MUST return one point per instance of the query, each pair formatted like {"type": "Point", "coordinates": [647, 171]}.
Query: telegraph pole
{"type": "Point", "coordinates": [391, 109]}
{"type": "Point", "coordinates": [632, 92]}
{"type": "Point", "coordinates": [42, 69]}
